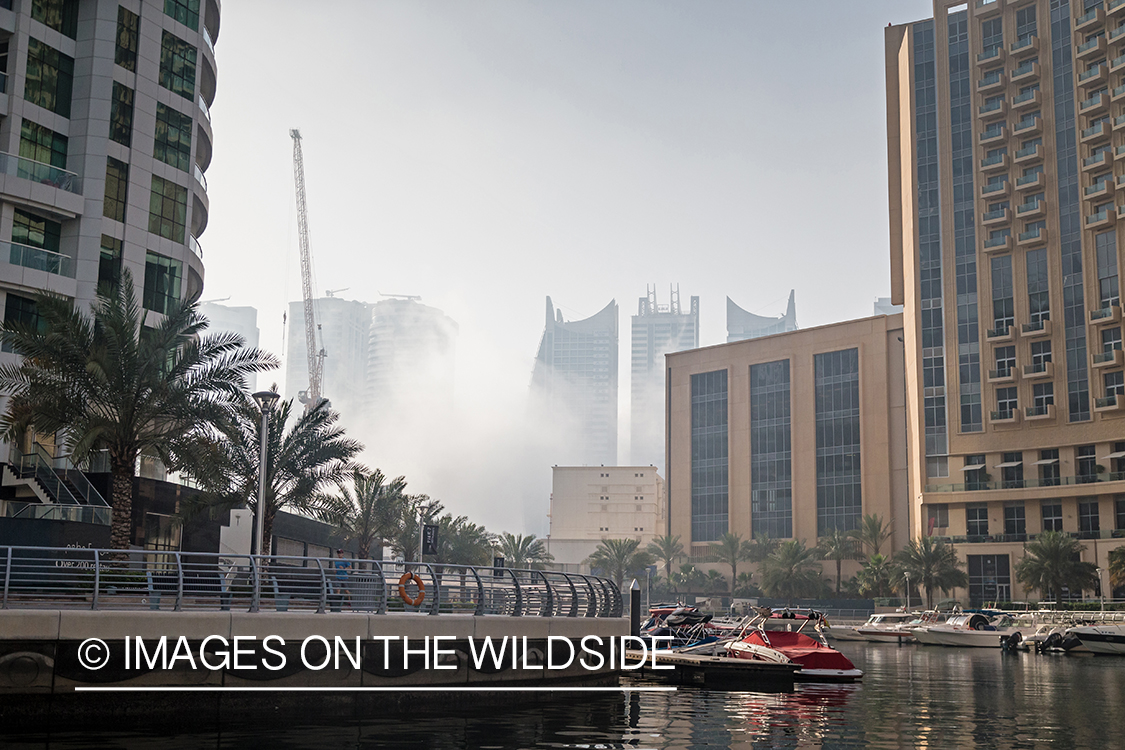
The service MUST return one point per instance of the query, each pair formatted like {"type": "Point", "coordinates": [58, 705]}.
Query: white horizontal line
{"type": "Point", "coordinates": [404, 689]}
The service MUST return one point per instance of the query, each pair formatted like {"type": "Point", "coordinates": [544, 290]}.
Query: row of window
{"type": "Point", "coordinates": [1015, 517]}
{"type": "Point", "coordinates": [1088, 468]}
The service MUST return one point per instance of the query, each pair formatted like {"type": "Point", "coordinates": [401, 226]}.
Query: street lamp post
{"type": "Point", "coordinates": [907, 577]}
{"type": "Point", "coordinates": [265, 401]}
{"type": "Point", "coordinates": [1101, 591]}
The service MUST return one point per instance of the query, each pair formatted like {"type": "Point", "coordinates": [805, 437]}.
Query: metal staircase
{"type": "Point", "coordinates": [63, 490]}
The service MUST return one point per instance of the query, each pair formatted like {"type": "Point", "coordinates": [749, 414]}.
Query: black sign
{"type": "Point", "coordinates": [497, 567]}
{"type": "Point", "coordinates": [429, 539]}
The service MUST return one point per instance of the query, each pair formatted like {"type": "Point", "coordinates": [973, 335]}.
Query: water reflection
{"type": "Point", "coordinates": [912, 696]}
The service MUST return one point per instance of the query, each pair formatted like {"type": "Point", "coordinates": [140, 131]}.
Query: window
{"type": "Point", "coordinates": [709, 464]}
{"type": "Point", "coordinates": [167, 209]}
{"type": "Point", "coordinates": [1118, 458]}
{"type": "Point", "coordinates": [177, 66]}
{"type": "Point", "coordinates": [1025, 23]}
{"type": "Point", "coordinates": [1048, 464]}
{"type": "Point", "coordinates": [1005, 360]}
{"type": "Point", "coordinates": [937, 466]}
{"type": "Point", "coordinates": [121, 115]}
{"type": "Point", "coordinates": [771, 487]}
{"type": "Point", "coordinates": [116, 186]}
{"type": "Point", "coordinates": [42, 145]}
{"type": "Point", "coordinates": [1114, 383]}
{"type": "Point", "coordinates": [1011, 468]}
{"type": "Point", "coordinates": [1089, 521]}
{"type": "Point", "coordinates": [1106, 248]}
{"type": "Point", "coordinates": [1006, 402]}
{"type": "Point", "coordinates": [838, 459]}
{"type": "Point", "coordinates": [1052, 516]}
{"type": "Point", "coordinates": [937, 516]}
{"type": "Point", "coordinates": [976, 520]}
{"type": "Point", "coordinates": [1038, 296]}
{"type": "Point", "coordinates": [1042, 396]}
{"type": "Point", "coordinates": [1014, 521]}
{"type": "Point", "coordinates": [974, 473]}
{"type": "Point", "coordinates": [109, 266]}
{"type": "Point", "coordinates": [1085, 464]}
{"type": "Point", "coordinates": [1119, 507]}
{"type": "Point", "coordinates": [33, 231]}
{"type": "Point", "coordinates": [173, 137]}
{"type": "Point", "coordinates": [50, 77]}
{"type": "Point", "coordinates": [990, 579]}
{"type": "Point", "coordinates": [1111, 339]}
{"type": "Point", "coordinates": [128, 32]}
{"type": "Point", "coordinates": [21, 311]}
{"type": "Point", "coordinates": [1040, 353]}
{"type": "Point", "coordinates": [162, 283]}
{"type": "Point", "coordinates": [184, 11]}
{"type": "Point", "coordinates": [60, 15]}
{"type": "Point", "coordinates": [1003, 303]}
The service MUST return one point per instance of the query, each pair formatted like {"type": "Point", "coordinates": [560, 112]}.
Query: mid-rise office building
{"type": "Point", "coordinates": [410, 357]}
{"type": "Point", "coordinates": [591, 503]}
{"type": "Point", "coordinates": [240, 319]}
{"type": "Point", "coordinates": [1004, 125]}
{"type": "Point", "coordinates": [343, 329]}
{"type": "Point", "coordinates": [105, 136]}
{"type": "Point", "coordinates": [657, 330]}
{"type": "Point", "coordinates": [789, 436]}
{"type": "Point", "coordinates": [574, 383]}
{"type": "Point", "coordinates": [742, 325]}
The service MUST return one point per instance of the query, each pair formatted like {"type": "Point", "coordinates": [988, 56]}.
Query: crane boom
{"type": "Point", "coordinates": [316, 354]}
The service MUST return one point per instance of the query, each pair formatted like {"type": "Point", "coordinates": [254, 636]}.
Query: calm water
{"type": "Point", "coordinates": [911, 696]}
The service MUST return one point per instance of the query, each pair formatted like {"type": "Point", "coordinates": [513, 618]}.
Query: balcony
{"type": "Point", "coordinates": [1023, 47]}
{"type": "Point", "coordinates": [1092, 48]}
{"type": "Point", "coordinates": [1035, 413]}
{"type": "Point", "coordinates": [1101, 219]}
{"type": "Point", "coordinates": [999, 216]}
{"type": "Point", "coordinates": [1026, 72]}
{"type": "Point", "coordinates": [1119, 122]}
{"type": "Point", "coordinates": [196, 249]}
{"type": "Point", "coordinates": [1114, 35]}
{"type": "Point", "coordinates": [1004, 416]}
{"type": "Point", "coordinates": [1003, 375]}
{"type": "Point", "coordinates": [40, 259]}
{"type": "Point", "coordinates": [1028, 99]}
{"type": "Point", "coordinates": [1095, 75]}
{"type": "Point", "coordinates": [1032, 237]}
{"type": "Point", "coordinates": [1028, 126]}
{"type": "Point", "coordinates": [1095, 104]}
{"type": "Point", "coordinates": [1117, 64]}
{"type": "Point", "coordinates": [1031, 153]}
{"type": "Point", "coordinates": [1098, 189]}
{"type": "Point", "coordinates": [37, 171]}
{"type": "Point", "coordinates": [1089, 19]}
{"type": "Point", "coordinates": [1031, 210]}
{"type": "Point", "coordinates": [1110, 358]}
{"type": "Point", "coordinates": [1000, 335]}
{"type": "Point", "coordinates": [1105, 315]}
{"type": "Point", "coordinates": [204, 109]}
{"type": "Point", "coordinates": [1096, 160]}
{"type": "Point", "coordinates": [995, 191]}
{"type": "Point", "coordinates": [1097, 132]}
{"type": "Point", "coordinates": [1114, 7]}
{"type": "Point", "coordinates": [1038, 330]}
{"type": "Point", "coordinates": [1110, 403]}
{"type": "Point", "coordinates": [996, 54]}
{"type": "Point", "coordinates": [199, 177]}
{"type": "Point", "coordinates": [993, 134]}
{"type": "Point", "coordinates": [994, 163]}
{"type": "Point", "coordinates": [993, 109]}
{"type": "Point", "coordinates": [991, 82]}
{"type": "Point", "coordinates": [1029, 181]}
{"type": "Point", "coordinates": [998, 244]}
{"type": "Point", "coordinates": [1039, 371]}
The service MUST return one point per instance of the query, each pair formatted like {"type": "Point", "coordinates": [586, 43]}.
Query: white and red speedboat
{"type": "Point", "coordinates": [819, 661]}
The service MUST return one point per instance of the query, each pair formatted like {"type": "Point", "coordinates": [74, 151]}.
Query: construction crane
{"type": "Point", "coordinates": [316, 354]}
{"type": "Point", "coordinates": [334, 292]}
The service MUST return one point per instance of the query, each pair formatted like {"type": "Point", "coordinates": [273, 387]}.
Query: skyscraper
{"type": "Point", "coordinates": [343, 330]}
{"type": "Point", "coordinates": [1004, 122]}
{"type": "Point", "coordinates": [410, 357]}
{"type": "Point", "coordinates": [575, 382]}
{"type": "Point", "coordinates": [242, 320]}
{"type": "Point", "coordinates": [105, 141]}
{"type": "Point", "coordinates": [657, 330]}
{"type": "Point", "coordinates": [742, 325]}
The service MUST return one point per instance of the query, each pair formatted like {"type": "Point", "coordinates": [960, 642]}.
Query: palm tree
{"type": "Point", "coordinates": [407, 535]}
{"type": "Point", "coordinates": [792, 572]}
{"type": "Point", "coordinates": [745, 587]}
{"type": "Point", "coordinates": [872, 532]}
{"type": "Point", "coordinates": [716, 582]}
{"type": "Point", "coordinates": [618, 558]}
{"type": "Point", "coordinates": [931, 563]}
{"type": "Point", "coordinates": [368, 514]}
{"type": "Point", "coordinates": [666, 548]}
{"type": "Point", "coordinates": [462, 543]}
{"type": "Point", "coordinates": [731, 549]}
{"type": "Point", "coordinates": [1051, 563]}
{"type": "Point", "coordinates": [109, 382]}
{"type": "Point", "coordinates": [837, 545]}
{"type": "Point", "coordinates": [1117, 567]}
{"type": "Point", "coordinates": [762, 547]}
{"type": "Point", "coordinates": [875, 578]}
{"type": "Point", "coordinates": [523, 551]}
{"type": "Point", "coordinates": [689, 578]}
{"type": "Point", "coordinates": [302, 461]}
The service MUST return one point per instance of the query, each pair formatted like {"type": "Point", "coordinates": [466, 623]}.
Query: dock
{"type": "Point", "coordinates": [717, 672]}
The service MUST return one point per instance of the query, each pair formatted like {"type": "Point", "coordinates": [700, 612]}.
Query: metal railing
{"type": "Point", "coordinates": [195, 246]}
{"type": "Point", "coordinates": [29, 169]}
{"type": "Point", "coordinates": [92, 514]}
{"type": "Point", "coordinates": [40, 258]}
{"type": "Point", "coordinates": [54, 578]}
{"type": "Point", "coordinates": [1029, 483]}
{"type": "Point", "coordinates": [204, 108]}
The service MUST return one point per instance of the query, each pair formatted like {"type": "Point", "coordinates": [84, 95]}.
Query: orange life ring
{"type": "Point", "coordinates": [406, 578]}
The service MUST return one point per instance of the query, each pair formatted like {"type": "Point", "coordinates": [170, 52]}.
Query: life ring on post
{"type": "Point", "coordinates": [407, 578]}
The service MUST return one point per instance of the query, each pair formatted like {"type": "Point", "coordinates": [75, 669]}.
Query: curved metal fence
{"type": "Point", "coordinates": [103, 579]}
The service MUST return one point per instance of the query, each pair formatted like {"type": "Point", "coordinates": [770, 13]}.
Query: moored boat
{"type": "Point", "coordinates": [973, 629]}
{"type": "Point", "coordinates": [819, 661]}
{"type": "Point", "coordinates": [1101, 639]}
{"type": "Point", "coordinates": [887, 627]}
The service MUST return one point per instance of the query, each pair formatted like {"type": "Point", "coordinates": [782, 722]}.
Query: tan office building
{"type": "Point", "coordinates": [591, 503]}
{"type": "Point", "coordinates": [789, 435]}
{"type": "Point", "coordinates": [1005, 126]}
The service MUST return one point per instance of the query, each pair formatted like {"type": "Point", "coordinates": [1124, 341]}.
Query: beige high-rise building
{"type": "Point", "coordinates": [1005, 134]}
{"type": "Point", "coordinates": [789, 435]}
{"type": "Point", "coordinates": [591, 503]}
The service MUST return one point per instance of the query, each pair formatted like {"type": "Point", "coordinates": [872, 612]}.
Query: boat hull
{"type": "Point", "coordinates": [818, 662]}
{"type": "Point", "coordinates": [1101, 639]}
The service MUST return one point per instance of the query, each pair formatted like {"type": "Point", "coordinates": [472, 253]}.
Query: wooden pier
{"type": "Point", "coordinates": [717, 672]}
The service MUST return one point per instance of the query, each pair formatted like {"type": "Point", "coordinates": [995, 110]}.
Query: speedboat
{"type": "Point", "coordinates": [819, 661]}
{"type": "Point", "coordinates": [1101, 639]}
{"type": "Point", "coordinates": [971, 629]}
{"type": "Point", "coordinates": [887, 627]}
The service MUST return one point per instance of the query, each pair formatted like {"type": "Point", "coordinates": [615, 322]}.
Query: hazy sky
{"type": "Point", "coordinates": [484, 155]}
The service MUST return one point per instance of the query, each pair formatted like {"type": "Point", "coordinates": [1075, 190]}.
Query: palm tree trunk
{"type": "Point", "coordinates": [121, 531]}
{"type": "Point", "coordinates": [839, 562]}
